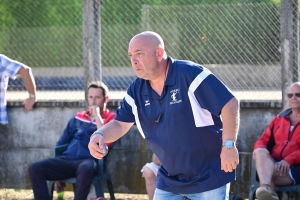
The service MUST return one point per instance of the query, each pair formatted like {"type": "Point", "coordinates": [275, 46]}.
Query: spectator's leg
{"type": "Point", "coordinates": [49, 169]}
{"type": "Point", "coordinates": [86, 170]}
{"type": "Point", "coordinates": [150, 180]}
{"type": "Point", "coordinates": [265, 167]}
{"type": "Point", "coordinates": [282, 180]}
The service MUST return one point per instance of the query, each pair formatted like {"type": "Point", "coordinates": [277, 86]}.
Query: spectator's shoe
{"type": "Point", "coordinates": [265, 192]}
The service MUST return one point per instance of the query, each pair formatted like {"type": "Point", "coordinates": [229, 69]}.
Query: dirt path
{"type": "Point", "coordinates": [13, 194]}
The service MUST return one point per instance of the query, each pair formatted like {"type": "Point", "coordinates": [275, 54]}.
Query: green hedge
{"type": "Point", "coordinates": [222, 33]}
{"type": "Point", "coordinates": [208, 34]}
{"type": "Point", "coordinates": [211, 33]}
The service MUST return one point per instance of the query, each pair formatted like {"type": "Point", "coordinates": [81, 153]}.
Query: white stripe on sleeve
{"type": "Point", "coordinates": [131, 102]}
{"type": "Point", "coordinates": [202, 117]}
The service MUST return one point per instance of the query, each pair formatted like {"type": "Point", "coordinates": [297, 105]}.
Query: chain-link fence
{"type": "Point", "coordinates": [251, 45]}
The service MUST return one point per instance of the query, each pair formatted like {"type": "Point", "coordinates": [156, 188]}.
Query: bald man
{"type": "Point", "coordinates": [279, 164]}
{"type": "Point", "coordinates": [187, 116]}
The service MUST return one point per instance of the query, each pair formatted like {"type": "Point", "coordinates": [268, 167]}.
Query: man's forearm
{"type": "Point", "coordinates": [230, 117]}
{"type": "Point", "coordinates": [28, 79]}
{"type": "Point", "coordinates": [113, 130]}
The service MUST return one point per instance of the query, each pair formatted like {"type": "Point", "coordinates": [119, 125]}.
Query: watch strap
{"type": "Point", "coordinates": [97, 132]}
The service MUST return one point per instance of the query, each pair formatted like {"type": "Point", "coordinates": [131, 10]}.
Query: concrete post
{"type": "Point", "coordinates": [91, 41]}
{"type": "Point", "coordinates": [289, 45]}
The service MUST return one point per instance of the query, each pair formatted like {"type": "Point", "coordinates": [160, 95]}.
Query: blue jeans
{"type": "Point", "coordinates": [221, 193]}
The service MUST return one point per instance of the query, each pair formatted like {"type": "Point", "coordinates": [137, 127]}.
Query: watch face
{"type": "Point", "coordinates": [228, 144]}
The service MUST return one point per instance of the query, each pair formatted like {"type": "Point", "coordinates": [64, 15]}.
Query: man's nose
{"type": "Point", "coordinates": [134, 60]}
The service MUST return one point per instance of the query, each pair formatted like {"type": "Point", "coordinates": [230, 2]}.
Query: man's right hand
{"type": "Point", "coordinates": [96, 145]}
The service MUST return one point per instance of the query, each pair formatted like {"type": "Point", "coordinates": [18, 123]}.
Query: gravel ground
{"type": "Point", "coordinates": [14, 194]}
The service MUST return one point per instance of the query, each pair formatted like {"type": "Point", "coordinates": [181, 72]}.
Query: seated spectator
{"type": "Point", "coordinates": [149, 173]}
{"type": "Point", "coordinates": [76, 161]}
{"type": "Point", "coordinates": [278, 164]}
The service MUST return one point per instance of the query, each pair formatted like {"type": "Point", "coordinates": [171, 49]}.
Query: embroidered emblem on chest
{"type": "Point", "coordinates": [147, 103]}
{"type": "Point", "coordinates": [174, 96]}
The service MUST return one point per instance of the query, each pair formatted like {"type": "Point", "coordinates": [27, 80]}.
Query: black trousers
{"type": "Point", "coordinates": [60, 168]}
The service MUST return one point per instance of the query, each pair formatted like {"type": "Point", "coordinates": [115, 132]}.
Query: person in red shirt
{"type": "Point", "coordinates": [277, 151]}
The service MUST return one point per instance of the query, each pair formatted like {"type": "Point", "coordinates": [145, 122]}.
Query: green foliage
{"type": "Point", "coordinates": [41, 13]}
{"type": "Point", "coordinates": [49, 32]}
{"type": "Point", "coordinates": [239, 33]}
{"type": "Point", "coordinates": [208, 34]}
{"type": "Point", "coordinates": [42, 33]}
{"type": "Point", "coordinates": [129, 11]}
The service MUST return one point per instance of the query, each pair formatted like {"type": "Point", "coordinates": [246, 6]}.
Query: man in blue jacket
{"type": "Point", "coordinates": [76, 161]}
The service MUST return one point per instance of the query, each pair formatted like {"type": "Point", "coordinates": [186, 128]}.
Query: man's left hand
{"type": "Point", "coordinates": [229, 159]}
{"type": "Point", "coordinates": [28, 103]}
{"type": "Point", "coordinates": [282, 167]}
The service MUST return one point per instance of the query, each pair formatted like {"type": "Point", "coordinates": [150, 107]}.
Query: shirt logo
{"type": "Point", "coordinates": [174, 96]}
{"type": "Point", "coordinates": [147, 103]}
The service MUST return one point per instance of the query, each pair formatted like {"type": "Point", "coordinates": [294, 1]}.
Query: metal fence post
{"type": "Point", "coordinates": [289, 45]}
{"type": "Point", "coordinates": [145, 17]}
{"type": "Point", "coordinates": [91, 41]}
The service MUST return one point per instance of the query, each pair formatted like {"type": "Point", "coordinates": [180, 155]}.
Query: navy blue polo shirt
{"type": "Point", "coordinates": [182, 127]}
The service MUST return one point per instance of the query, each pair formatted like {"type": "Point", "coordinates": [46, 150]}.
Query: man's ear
{"type": "Point", "coordinates": [106, 99]}
{"type": "Point", "coordinates": [160, 53]}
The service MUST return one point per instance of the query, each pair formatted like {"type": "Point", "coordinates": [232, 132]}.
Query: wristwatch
{"type": "Point", "coordinates": [228, 144]}
{"type": "Point", "coordinates": [97, 132]}
{"type": "Point", "coordinates": [31, 95]}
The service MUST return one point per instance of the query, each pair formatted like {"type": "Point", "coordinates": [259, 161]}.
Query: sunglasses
{"type": "Point", "coordinates": [290, 95]}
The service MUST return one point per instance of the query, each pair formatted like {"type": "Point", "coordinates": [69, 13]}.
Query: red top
{"type": "Point", "coordinates": [287, 145]}
{"type": "Point", "coordinates": [107, 116]}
